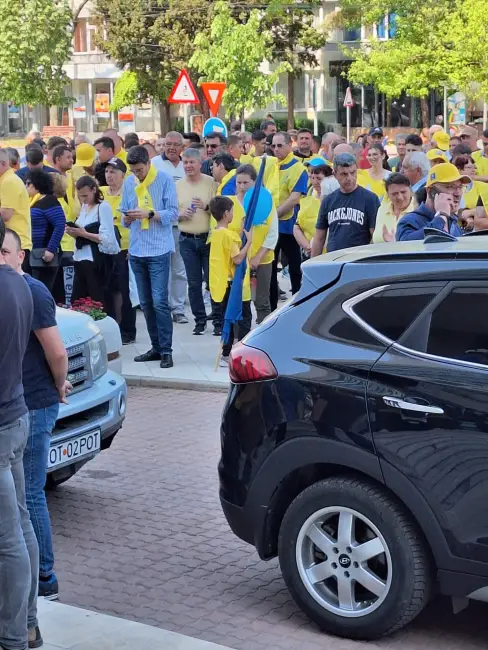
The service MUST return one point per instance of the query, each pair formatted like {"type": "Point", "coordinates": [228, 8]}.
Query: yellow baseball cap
{"type": "Point", "coordinates": [441, 138]}
{"type": "Point", "coordinates": [85, 154]}
{"type": "Point", "coordinates": [446, 173]}
{"type": "Point", "coordinates": [437, 154]}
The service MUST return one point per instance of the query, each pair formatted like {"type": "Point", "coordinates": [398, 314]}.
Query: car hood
{"type": "Point", "coordinates": [75, 328]}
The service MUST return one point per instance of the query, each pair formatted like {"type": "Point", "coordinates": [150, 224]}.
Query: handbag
{"type": "Point", "coordinates": [36, 261]}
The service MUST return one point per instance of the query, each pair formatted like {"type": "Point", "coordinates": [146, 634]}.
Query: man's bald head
{"type": "Point", "coordinates": [112, 133]}
{"type": "Point", "coordinates": [342, 147]}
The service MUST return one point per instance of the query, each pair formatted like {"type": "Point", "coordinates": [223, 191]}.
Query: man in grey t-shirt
{"type": "Point", "coordinates": [19, 553]}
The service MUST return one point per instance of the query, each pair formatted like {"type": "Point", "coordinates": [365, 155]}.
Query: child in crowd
{"type": "Point", "coordinates": [226, 252]}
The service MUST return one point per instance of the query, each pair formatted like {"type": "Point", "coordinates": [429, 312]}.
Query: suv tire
{"type": "Point", "coordinates": [324, 575]}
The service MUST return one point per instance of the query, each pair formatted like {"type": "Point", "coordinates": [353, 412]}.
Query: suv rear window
{"type": "Point", "coordinates": [459, 326]}
{"type": "Point", "coordinates": [392, 310]}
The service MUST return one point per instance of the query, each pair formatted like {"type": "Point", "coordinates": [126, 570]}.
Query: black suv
{"type": "Point", "coordinates": [355, 434]}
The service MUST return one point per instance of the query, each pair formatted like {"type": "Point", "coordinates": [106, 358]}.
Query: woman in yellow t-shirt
{"type": "Point", "coordinates": [397, 202]}
{"type": "Point", "coordinates": [476, 194]}
{"type": "Point", "coordinates": [374, 179]}
{"type": "Point", "coordinates": [265, 238]}
{"type": "Point", "coordinates": [309, 205]}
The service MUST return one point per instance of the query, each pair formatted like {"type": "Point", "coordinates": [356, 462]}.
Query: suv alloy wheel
{"type": "Point", "coordinates": [353, 560]}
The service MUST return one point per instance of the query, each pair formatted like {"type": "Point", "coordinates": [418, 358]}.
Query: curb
{"type": "Point", "coordinates": [177, 384]}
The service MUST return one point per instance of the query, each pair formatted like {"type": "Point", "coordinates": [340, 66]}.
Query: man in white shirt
{"type": "Point", "coordinates": [170, 162]}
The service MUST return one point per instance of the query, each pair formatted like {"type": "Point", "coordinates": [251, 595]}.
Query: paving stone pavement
{"type": "Point", "coordinates": [139, 533]}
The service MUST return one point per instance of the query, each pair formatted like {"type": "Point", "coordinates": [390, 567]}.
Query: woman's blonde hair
{"type": "Point", "coordinates": [60, 184]}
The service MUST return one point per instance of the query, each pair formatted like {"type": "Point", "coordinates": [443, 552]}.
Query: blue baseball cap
{"type": "Point", "coordinates": [317, 162]}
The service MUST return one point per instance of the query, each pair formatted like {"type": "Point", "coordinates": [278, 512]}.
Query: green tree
{"type": "Point", "coordinates": [422, 56]}
{"type": "Point", "coordinates": [35, 43]}
{"type": "Point", "coordinates": [233, 52]}
{"type": "Point", "coordinates": [296, 39]}
{"type": "Point", "coordinates": [153, 40]}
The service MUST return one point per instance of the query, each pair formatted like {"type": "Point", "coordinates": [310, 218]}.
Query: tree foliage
{"type": "Point", "coordinates": [296, 38]}
{"type": "Point", "coordinates": [35, 43]}
{"type": "Point", "coordinates": [233, 51]}
{"type": "Point", "coordinates": [436, 43]}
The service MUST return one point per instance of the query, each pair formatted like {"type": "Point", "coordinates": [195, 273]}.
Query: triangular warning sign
{"type": "Point", "coordinates": [348, 100]}
{"type": "Point", "coordinates": [183, 91]}
{"type": "Point", "coordinates": [214, 91]}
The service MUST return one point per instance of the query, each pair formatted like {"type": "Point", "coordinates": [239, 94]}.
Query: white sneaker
{"type": "Point", "coordinates": [224, 362]}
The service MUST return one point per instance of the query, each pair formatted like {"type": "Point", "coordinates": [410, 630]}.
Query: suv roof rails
{"type": "Point", "coordinates": [436, 236]}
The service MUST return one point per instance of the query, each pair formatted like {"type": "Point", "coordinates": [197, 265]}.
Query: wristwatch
{"type": "Point", "coordinates": [151, 214]}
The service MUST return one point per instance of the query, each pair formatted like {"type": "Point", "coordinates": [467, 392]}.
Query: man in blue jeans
{"type": "Point", "coordinates": [150, 208]}
{"type": "Point", "coordinates": [44, 371]}
{"type": "Point", "coordinates": [19, 553]}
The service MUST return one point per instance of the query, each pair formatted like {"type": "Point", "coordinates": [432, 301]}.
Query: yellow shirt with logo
{"type": "Point", "coordinates": [13, 195]}
{"type": "Point", "coordinates": [114, 202]}
{"type": "Point", "coordinates": [224, 245]}
{"type": "Point", "coordinates": [293, 178]}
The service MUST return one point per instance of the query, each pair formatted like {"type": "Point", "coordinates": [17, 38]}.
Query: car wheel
{"type": "Point", "coordinates": [353, 559]}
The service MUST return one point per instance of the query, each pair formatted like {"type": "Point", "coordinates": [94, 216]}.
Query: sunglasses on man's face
{"type": "Point", "coordinates": [277, 146]}
{"type": "Point", "coordinates": [212, 146]}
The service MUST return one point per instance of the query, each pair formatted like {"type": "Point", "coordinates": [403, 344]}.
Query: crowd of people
{"type": "Point", "coordinates": [151, 223]}
{"type": "Point", "coordinates": [131, 222]}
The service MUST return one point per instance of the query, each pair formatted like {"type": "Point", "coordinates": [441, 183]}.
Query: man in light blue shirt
{"type": "Point", "coordinates": [150, 208]}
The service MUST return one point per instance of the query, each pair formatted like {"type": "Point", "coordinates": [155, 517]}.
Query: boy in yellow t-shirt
{"type": "Point", "coordinates": [225, 254]}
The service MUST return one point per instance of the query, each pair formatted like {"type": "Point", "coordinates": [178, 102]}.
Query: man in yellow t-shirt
{"type": "Point", "coordinates": [481, 159]}
{"type": "Point", "coordinates": [195, 191]}
{"type": "Point", "coordinates": [14, 203]}
{"type": "Point", "coordinates": [225, 254]}
{"type": "Point", "coordinates": [121, 308]}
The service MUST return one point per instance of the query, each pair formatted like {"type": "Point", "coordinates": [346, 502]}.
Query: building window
{"type": "Point", "coordinates": [84, 37]}
{"type": "Point", "coordinates": [352, 34]}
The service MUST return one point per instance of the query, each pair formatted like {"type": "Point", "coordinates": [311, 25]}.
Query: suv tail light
{"type": "Point", "coordinates": [248, 364]}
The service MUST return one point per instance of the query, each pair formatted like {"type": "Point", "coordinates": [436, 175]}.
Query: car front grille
{"type": "Point", "coordinates": [79, 367]}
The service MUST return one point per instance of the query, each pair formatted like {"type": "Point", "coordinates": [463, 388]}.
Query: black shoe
{"type": "Point", "coordinates": [150, 355]}
{"type": "Point", "coordinates": [217, 331]}
{"type": "Point", "coordinates": [211, 316]}
{"type": "Point", "coordinates": [200, 328]}
{"type": "Point", "coordinates": [35, 638]}
{"type": "Point", "coordinates": [48, 589]}
{"type": "Point", "coordinates": [166, 361]}
{"type": "Point", "coordinates": [128, 340]}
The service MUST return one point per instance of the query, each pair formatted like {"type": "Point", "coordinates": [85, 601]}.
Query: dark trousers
{"type": "Point", "coordinates": [46, 275]}
{"type": "Point", "coordinates": [152, 278]}
{"type": "Point", "coordinates": [241, 328]}
{"type": "Point", "coordinates": [87, 283]}
{"type": "Point", "coordinates": [287, 244]}
{"type": "Point", "coordinates": [118, 297]}
{"type": "Point", "coordinates": [196, 253]}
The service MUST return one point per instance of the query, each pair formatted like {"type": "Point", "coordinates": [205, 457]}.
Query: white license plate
{"type": "Point", "coordinates": [71, 450]}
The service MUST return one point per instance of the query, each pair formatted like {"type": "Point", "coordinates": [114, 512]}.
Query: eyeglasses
{"type": "Point", "coordinates": [212, 146]}
{"type": "Point", "coordinates": [276, 146]}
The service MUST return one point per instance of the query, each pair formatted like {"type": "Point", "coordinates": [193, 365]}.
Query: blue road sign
{"type": "Point", "coordinates": [215, 125]}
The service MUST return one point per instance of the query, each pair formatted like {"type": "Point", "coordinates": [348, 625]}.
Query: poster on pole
{"type": "Point", "coordinates": [456, 108]}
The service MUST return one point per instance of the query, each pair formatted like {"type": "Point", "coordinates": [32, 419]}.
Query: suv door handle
{"type": "Point", "coordinates": [397, 403]}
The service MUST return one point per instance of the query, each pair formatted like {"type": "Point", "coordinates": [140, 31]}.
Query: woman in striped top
{"type": "Point", "coordinates": [47, 223]}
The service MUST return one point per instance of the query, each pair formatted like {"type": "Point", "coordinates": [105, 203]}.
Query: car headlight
{"type": "Point", "coordinates": [98, 356]}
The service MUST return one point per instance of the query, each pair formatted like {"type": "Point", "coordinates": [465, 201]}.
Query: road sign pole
{"type": "Point", "coordinates": [186, 122]}
{"type": "Point", "coordinates": [348, 124]}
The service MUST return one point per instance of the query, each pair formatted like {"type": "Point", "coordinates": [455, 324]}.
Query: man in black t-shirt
{"type": "Point", "coordinates": [19, 553]}
{"type": "Point", "coordinates": [44, 372]}
{"type": "Point", "coordinates": [348, 214]}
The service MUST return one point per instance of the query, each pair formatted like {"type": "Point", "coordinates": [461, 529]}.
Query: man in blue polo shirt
{"type": "Point", "coordinates": [293, 185]}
